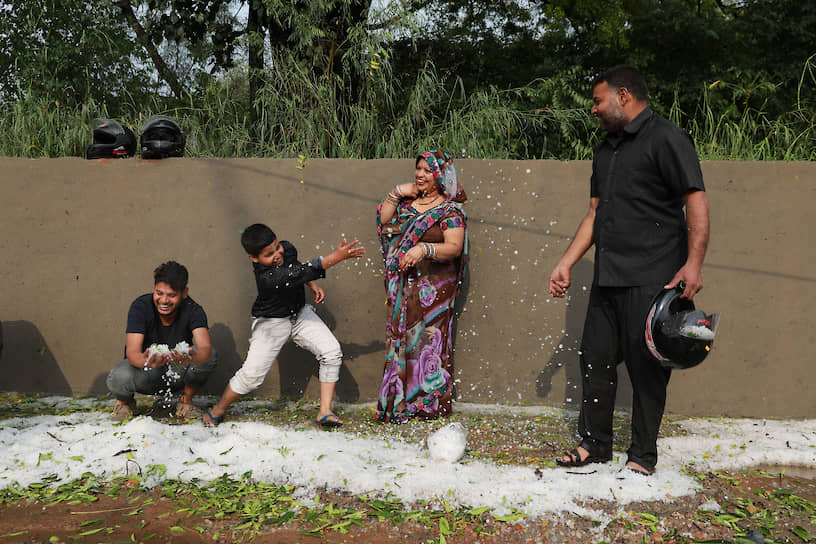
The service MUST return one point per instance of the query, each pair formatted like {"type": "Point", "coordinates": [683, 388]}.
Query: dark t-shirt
{"type": "Point", "coordinates": [143, 318]}
{"type": "Point", "coordinates": [640, 176]}
{"type": "Point", "coordinates": [280, 288]}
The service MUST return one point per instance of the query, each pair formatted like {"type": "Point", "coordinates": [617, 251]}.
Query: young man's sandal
{"type": "Point", "coordinates": [210, 420]}
{"type": "Point", "coordinates": [326, 422]}
{"type": "Point", "coordinates": [575, 459]}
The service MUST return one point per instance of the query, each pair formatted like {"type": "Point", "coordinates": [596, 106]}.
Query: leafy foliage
{"type": "Point", "coordinates": [332, 78]}
{"type": "Point", "coordinates": [69, 51]}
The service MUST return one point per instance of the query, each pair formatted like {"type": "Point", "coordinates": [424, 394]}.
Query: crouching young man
{"type": "Point", "coordinates": [166, 317]}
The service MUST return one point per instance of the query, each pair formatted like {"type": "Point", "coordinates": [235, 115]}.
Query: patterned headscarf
{"type": "Point", "coordinates": [444, 172]}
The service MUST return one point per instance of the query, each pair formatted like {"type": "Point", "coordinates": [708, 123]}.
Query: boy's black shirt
{"type": "Point", "coordinates": [280, 288]}
{"type": "Point", "coordinates": [143, 318]}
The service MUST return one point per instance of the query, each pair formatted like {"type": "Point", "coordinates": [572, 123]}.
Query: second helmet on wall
{"type": "Point", "coordinates": [161, 137]}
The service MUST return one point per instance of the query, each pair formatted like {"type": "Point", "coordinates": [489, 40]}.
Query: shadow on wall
{"type": "Point", "coordinates": [27, 364]}
{"type": "Point", "coordinates": [458, 308]}
{"type": "Point", "coordinates": [297, 366]}
{"type": "Point", "coordinates": [229, 361]}
{"type": "Point", "coordinates": [99, 386]}
{"type": "Point", "coordinates": [567, 352]}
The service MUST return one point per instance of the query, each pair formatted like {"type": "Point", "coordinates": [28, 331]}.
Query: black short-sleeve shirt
{"type": "Point", "coordinates": [280, 288]}
{"type": "Point", "coordinates": [640, 176]}
{"type": "Point", "coordinates": [143, 318]}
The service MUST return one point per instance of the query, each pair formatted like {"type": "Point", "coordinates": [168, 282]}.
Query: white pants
{"type": "Point", "coordinates": [269, 334]}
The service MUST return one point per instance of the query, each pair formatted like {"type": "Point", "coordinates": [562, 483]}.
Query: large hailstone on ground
{"type": "Point", "coordinates": [448, 443]}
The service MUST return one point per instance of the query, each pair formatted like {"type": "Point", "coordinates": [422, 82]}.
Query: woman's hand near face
{"type": "Point", "coordinates": [389, 208]}
{"type": "Point", "coordinates": [409, 190]}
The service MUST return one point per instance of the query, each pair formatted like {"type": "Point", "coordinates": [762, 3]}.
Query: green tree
{"type": "Point", "coordinates": [316, 35]}
{"type": "Point", "coordinates": [320, 37]}
{"type": "Point", "coordinates": [69, 51]}
{"type": "Point", "coordinates": [759, 47]}
{"type": "Point", "coordinates": [186, 41]}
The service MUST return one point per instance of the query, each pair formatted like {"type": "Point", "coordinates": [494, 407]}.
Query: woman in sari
{"type": "Point", "coordinates": [423, 237]}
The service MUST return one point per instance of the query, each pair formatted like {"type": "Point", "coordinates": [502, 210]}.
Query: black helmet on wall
{"type": "Point", "coordinates": [677, 335]}
{"type": "Point", "coordinates": [111, 141]}
{"type": "Point", "coordinates": [161, 137]}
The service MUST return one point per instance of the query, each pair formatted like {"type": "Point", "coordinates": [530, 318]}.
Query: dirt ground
{"type": "Point", "coordinates": [764, 504]}
{"type": "Point", "coordinates": [136, 515]}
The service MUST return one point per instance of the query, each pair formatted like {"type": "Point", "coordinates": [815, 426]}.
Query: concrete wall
{"type": "Point", "coordinates": [80, 240]}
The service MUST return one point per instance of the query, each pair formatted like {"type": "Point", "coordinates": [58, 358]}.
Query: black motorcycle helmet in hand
{"type": "Point", "coordinates": [678, 335]}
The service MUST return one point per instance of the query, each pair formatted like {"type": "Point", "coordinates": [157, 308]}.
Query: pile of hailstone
{"type": "Point", "coordinates": [448, 443]}
{"type": "Point", "coordinates": [697, 331]}
{"type": "Point", "coordinates": [174, 370]}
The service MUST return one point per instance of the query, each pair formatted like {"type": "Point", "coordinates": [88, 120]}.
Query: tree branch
{"type": "Point", "coordinates": [141, 35]}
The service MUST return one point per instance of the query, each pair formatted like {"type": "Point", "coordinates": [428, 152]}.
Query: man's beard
{"type": "Point", "coordinates": [615, 123]}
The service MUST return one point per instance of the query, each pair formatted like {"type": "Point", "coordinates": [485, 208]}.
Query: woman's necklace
{"type": "Point", "coordinates": [428, 202]}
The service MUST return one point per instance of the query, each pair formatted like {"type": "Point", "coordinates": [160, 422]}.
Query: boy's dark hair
{"type": "Point", "coordinates": [624, 77]}
{"type": "Point", "coordinates": [256, 237]}
{"type": "Point", "coordinates": [171, 273]}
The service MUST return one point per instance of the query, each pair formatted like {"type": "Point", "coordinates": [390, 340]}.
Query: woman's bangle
{"type": "Point", "coordinates": [430, 250]}
{"type": "Point", "coordinates": [399, 191]}
{"type": "Point", "coordinates": [394, 199]}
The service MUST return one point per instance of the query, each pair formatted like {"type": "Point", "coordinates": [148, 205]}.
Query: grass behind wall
{"type": "Point", "coordinates": [300, 113]}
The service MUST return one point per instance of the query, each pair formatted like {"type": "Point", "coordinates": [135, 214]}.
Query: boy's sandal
{"type": "Point", "coordinates": [575, 459]}
{"type": "Point", "coordinates": [328, 423]}
{"type": "Point", "coordinates": [210, 420]}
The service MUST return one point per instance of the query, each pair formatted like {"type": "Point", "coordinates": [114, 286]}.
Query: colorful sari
{"type": "Point", "coordinates": [418, 374]}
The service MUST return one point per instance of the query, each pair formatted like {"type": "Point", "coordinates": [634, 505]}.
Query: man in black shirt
{"type": "Point", "coordinates": [167, 347]}
{"type": "Point", "coordinates": [644, 173]}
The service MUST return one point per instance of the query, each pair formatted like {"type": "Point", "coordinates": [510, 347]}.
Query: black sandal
{"type": "Point", "coordinates": [575, 459]}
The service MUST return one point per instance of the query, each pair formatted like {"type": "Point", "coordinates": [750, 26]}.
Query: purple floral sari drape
{"type": "Point", "coordinates": [418, 375]}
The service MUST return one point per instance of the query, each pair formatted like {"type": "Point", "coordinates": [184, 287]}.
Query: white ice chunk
{"type": "Point", "coordinates": [448, 443]}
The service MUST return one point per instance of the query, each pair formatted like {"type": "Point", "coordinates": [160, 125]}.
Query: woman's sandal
{"type": "Point", "coordinates": [210, 420]}
{"type": "Point", "coordinates": [575, 459]}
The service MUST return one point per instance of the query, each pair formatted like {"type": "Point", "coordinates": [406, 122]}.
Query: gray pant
{"type": "Point", "coordinates": [124, 379]}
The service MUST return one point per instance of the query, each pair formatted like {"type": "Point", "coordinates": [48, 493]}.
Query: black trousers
{"type": "Point", "coordinates": [613, 332]}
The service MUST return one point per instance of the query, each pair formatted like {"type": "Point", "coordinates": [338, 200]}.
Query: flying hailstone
{"type": "Point", "coordinates": [448, 443]}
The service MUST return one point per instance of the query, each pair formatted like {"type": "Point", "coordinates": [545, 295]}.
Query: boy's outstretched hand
{"type": "Point", "coordinates": [344, 250]}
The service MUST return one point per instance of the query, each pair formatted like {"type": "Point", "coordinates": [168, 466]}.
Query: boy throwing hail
{"type": "Point", "coordinates": [280, 313]}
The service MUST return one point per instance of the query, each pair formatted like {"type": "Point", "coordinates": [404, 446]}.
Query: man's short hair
{"type": "Point", "coordinates": [256, 237]}
{"type": "Point", "coordinates": [171, 273]}
{"type": "Point", "coordinates": [624, 77]}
